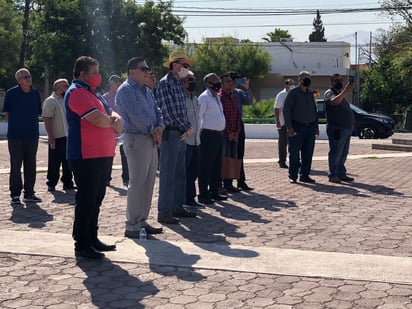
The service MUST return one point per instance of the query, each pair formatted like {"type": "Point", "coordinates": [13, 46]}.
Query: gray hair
{"type": "Point", "coordinates": [19, 72]}
{"type": "Point", "coordinates": [58, 81]}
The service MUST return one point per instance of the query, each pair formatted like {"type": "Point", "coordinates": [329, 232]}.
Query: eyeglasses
{"type": "Point", "coordinates": [26, 77]}
{"type": "Point", "coordinates": [143, 69]}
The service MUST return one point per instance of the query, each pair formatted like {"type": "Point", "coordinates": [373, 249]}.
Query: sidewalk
{"type": "Point", "coordinates": [325, 245]}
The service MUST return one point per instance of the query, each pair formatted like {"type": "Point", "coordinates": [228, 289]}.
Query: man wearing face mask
{"type": "Point", "coordinates": [302, 126]}
{"type": "Point", "coordinates": [212, 124]}
{"type": "Point", "coordinates": [340, 120]}
{"type": "Point", "coordinates": [172, 101]}
{"type": "Point", "coordinates": [280, 122]}
{"type": "Point", "coordinates": [55, 123]}
{"type": "Point", "coordinates": [91, 145]}
{"type": "Point", "coordinates": [193, 141]}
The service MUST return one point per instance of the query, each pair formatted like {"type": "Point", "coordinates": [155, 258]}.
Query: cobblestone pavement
{"type": "Point", "coordinates": [372, 216]}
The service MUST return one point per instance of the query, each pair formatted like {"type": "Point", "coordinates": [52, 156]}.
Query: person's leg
{"type": "Point", "coordinates": [308, 146]}
{"type": "Point", "coordinates": [346, 136]}
{"type": "Point", "coordinates": [241, 153]}
{"type": "Point", "coordinates": [53, 165]}
{"type": "Point", "coordinates": [67, 175]}
{"type": "Point", "coordinates": [333, 153]}
{"type": "Point", "coordinates": [282, 145]}
{"type": "Point", "coordinates": [29, 166]}
{"type": "Point", "coordinates": [180, 178]}
{"type": "Point", "coordinates": [125, 168]}
{"type": "Point", "coordinates": [295, 144]}
{"type": "Point", "coordinates": [205, 168]}
{"type": "Point", "coordinates": [109, 173]}
{"type": "Point", "coordinates": [191, 172]}
{"type": "Point", "coordinates": [16, 160]}
{"type": "Point", "coordinates": [216, 164]}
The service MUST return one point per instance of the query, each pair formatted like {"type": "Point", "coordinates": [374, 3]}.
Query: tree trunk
{"type": "Point", "coordinates": [25, 33]}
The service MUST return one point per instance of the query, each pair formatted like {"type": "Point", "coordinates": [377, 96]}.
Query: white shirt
{"type": "Point", "coordinates": [279, 103]}
{"type": "Point", "coordinates": [211, 112]}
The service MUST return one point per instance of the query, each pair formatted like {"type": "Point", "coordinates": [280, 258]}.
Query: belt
{"type": "Point", "coordinates": [212, 131]}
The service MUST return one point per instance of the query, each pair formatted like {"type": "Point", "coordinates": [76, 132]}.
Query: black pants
{"type": "Point", "coordinates": [210, 155]}
{"type": "Point", "coordinates": [192, 171]}
{"type": "Point", "coordinates": [125, 167]}
{"type": "Point", "coordinates": [57, 157]}
{"type": "Point", "coordinates": [90, 176]}
{"type": "Point", "coordinates": [282, 144]}
{"type": "Point", "coordinates": [22, 152]}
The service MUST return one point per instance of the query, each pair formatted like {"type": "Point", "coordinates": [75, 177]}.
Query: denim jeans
{"type": "Point", "coordinates": [301, 146]}
{"type": "Point", "coordinates": [339, 141]}
{"type": "Point", "coordinates": [172, 183]}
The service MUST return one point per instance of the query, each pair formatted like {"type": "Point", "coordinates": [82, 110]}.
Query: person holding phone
{"type": "Point", "coordinates": [340, 121]}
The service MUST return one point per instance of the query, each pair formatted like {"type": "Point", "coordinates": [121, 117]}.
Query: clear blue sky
{"type": "Point", "coordinates": [338, 27]}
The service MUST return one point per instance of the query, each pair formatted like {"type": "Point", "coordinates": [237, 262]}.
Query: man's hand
{"type": "Point", "coordinates": [186, 134]}
{"type": "Point", "coordinates": [52, 142]}
{"type": "Point", "coordinates": [157, 135]}
{"type": "Point", "coordinates": [291, 133]}
{"type": "Point", "coordinates": [117, 123]}
{"type": "Point", "coordinates": [233, 136]}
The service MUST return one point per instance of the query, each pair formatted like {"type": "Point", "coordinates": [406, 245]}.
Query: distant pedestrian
{"type": "Point", "coordinates": [340, 123]}
{"type": "Point", "coordinates": [280, 122]}
{"type": "Point", "coordinates": [301, 121]}
{"type": "Point", "coordinates": [90, 148]}
{"type": "Point", "coordinates": [22, 107]}
{"type": "Point", "coordinates": [55, 123]}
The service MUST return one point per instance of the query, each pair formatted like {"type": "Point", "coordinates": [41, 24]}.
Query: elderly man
{"type": "Point", "coordinates": [22, 106]}
{"type": "Point", "coordinates": [302, 126]}
{"type": "Point", "coordinates": [90, 148]}
{"type": "Point", "coordinates": [142, 133]}
{"type": "Point", "coordinates": [54, 115]}
{"type": "Point", "coordinates": [172, 101]}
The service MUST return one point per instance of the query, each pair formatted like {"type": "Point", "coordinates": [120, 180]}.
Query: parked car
{"type": "Point", "coordinates": [366, 125]}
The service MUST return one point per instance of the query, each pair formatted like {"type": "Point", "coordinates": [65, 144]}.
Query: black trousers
{"type": "Point", "coordinates": [210, 156]}
{"type": "Point", "coordinates": [192, 171]}
{"type": "Point", "coordinates": [241, 152]}
{"type": "Point", "coordinates": [125, 167]}
{"type": "Point", "coordinates": [57, 158]}
{"type": "Point", "coordinates": [282, 144]}
{"type": "Point", "coordinates": [22, 152]}
{"type": "Point", "coordinates": [90, 176]}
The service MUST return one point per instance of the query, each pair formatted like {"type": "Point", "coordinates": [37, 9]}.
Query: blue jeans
{"type": "Point", "coordinates": [339, 141]}
{"type": "Point", "coordinates": [172, 183]}
{"type": "Point", "coordinates": [301, 146]}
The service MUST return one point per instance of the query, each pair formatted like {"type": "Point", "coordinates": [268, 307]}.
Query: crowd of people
{"type": "Point", "coordinates": [201, 138]}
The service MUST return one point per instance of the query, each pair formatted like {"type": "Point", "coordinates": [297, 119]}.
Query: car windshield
{"type": "Point", "coordinates": [357, 109]}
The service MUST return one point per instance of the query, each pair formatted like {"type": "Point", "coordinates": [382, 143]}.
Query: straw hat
{"type": "Point", "coordinates": [178, 55]}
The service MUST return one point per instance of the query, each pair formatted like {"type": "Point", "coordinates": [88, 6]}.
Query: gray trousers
{"type": "Point", "coordinates": [141, 153]}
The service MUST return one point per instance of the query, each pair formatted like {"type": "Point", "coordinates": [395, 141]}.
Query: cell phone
{"type": "Point", "coordinates": [351, 79]}
{"type": "Point", "coordinates": [240, 81]}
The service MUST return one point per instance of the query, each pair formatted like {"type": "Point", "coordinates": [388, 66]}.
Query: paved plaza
{"type": "Point", "coordinates": [282, 245]}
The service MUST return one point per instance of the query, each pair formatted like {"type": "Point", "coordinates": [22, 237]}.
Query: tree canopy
{"type": "Point", "coordinates": [277, 35]}
{"type": "Point", "coordinates": [318, 33]}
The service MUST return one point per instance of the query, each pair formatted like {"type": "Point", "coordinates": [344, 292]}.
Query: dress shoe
{"type": "Point", "coordinates": [100, 246]}
{"type": "Point", "coordinates": [231, 189]}
{"type": "Point", "coordinates": [69, 187]}
{"type": "Point", "coordinates": [346, 178]}
{"type": "Point", "coordinates": [152, 230]}
{"type": "Point", "coordinates": [222, 191]}
{"type": "Point", "coordinates": [244, 186]}
{"type": "Point", "coordinates": [217, 197]}
{"type": "Point", "coordinates": [183, 213]}
{"type": "Point", "coordinates": [88, 253]}
{"type": "Point", "coordinates": [334, 179]}
{"type": "Point", "coordinates": [283, 165]}
{"type": "Point", "coordinates": [306, 179]}
{"type": "Point", "coordinates": [168, 220]}
{"type": "Point", "coordinates": [292, 180]}
{"type": "Point", "coordinates": [132, 234]}
{"type": "Point", "coordinates": [193, 204]}
{"type": "Point", "coordinates": [205, 200]}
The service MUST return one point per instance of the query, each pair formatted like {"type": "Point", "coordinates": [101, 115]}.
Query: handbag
{"type": "Point", "coordinates": [231, 164]}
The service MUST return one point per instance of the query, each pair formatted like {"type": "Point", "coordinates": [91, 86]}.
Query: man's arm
{"type": "Point", "coordinates": [49, 130]}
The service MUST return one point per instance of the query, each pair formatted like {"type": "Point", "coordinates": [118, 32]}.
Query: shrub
{"type": "Point", "coordinates": [261, 109]}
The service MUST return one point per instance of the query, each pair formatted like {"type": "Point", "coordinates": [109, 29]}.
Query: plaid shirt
{"type": "Point", "coordinates": [172, 101]}
{"type": "Point", "coordinates": [231, 111]}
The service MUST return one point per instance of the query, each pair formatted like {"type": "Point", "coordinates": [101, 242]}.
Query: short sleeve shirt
{"type": "Point", "coordinates": [53, 108]}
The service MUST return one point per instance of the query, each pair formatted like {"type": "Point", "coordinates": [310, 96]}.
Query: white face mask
{"type": "Point", "coordinates": [183, 72]}
{"type": "Point", "coordinates": [291, 87]}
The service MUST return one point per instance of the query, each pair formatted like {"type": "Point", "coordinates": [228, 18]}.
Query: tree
{"type": "Point", "coordinates": [224, 56]}
{"type": "Point", "coordinates": [399, 7]}
{"type": "Point", "coordinates": [10, 38]}
{"type": "Point", "coordinates": [318, 33]}
{"type": "Point", "coordinates": [276, 35]}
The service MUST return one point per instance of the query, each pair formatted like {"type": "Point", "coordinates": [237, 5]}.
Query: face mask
{"type": "Point", "coordinates": [95, 80]}
{"type": "Point", "coordinates": [183, 72]}
{"type": "Point", "coordinates": [338, 85]}
{"type": "Point", "coordinates": [191, 86]}
{"type": "Point", "coordinates": [216, 86]}
{"type": "Point", "coordinates": [306, 82]}
{"type": "Point", "coordinates": [291, 87]}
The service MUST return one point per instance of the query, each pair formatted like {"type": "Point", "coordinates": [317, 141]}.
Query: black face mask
{"type": "Point", "coordinates": [338, 85]}
{"type": "Point", "coordinates": [306, 82]}
{"type": "Point", "coordinates": [191, 86]}
{"type": "Point", "coordinates": [216, 86]}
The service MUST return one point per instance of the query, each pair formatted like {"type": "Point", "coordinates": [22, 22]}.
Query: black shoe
{"type": "Point", "coordinates": [231, 189]}
{"type": "Point", "coordinates": [32, 199]}
{"type": "Point", "coordinates": [132, 234]}
{"type": "Point", "coordinates": [292, 180]}
{"type": "Point", "coordinates": [100, 246]}
{"type": "Point", "coordinates": [244, 186]}
{"type": "Point", "coordinates": [217, 197]}
{"type": "Point", "coordinates": [69, 187]}
{"type": "Point", "coordinates": [88, 253]}
{"type": "Point", "coordinates": [168, 220]}
{"type": "Point", "coordinates": [152, 230]}
{"type": "Point", "coordinates": [222, 191]}
{"type": "Point", "coordinates": [193, 204]}
{"type": "Point", "coordinates": [205, 200]}
{"type": "Point", "coordinates": [347, 178]}
{"type": "Point", "coordinates": [306, 179]}
{"type": "Point", "coordinates": [334, 179]}
{"type": "Point", "coordinates": [283, 165]}
{"type": "Point", "coordinates": [51, 188]}
{"type": "Point", "coordinates": [182, 213]}
{"type": "Point", "coordinates": [126, 183]}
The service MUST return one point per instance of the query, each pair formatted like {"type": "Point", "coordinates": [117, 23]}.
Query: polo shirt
{"type": "Point", "coordinates": [85, 140]}
{"type": "Point", "coordinates": [53, 108]}
{"type": "Point", "coordinates": [24, 109]}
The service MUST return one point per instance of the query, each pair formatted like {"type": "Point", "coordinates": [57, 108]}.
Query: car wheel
{"type": "Point", "coordinates": [367, 132]}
